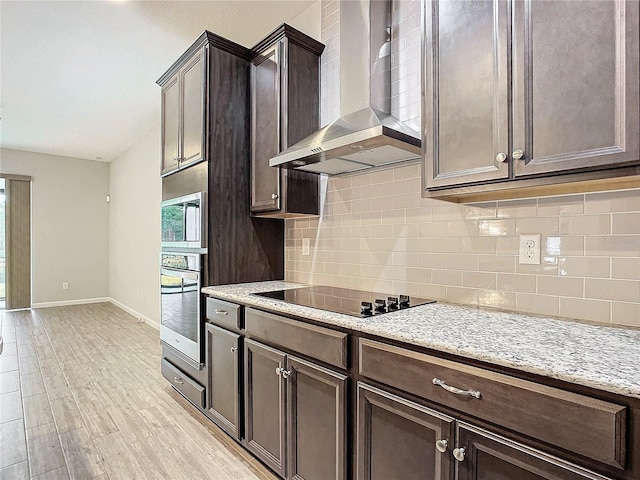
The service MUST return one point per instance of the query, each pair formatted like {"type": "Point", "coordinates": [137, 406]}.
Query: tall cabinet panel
{"type": "Point", "coordinates": [285, 101]}
{"type": "Point", "coordinates": [192, 78]}
{"type": "Point", "coordinates": [466, 92]}
{"type": "Point", "coordinates": [265, 128]}
{"type": "Point", "coordinates": [575, 90]}
{"type": "Point", "coordinates": [170, 125]}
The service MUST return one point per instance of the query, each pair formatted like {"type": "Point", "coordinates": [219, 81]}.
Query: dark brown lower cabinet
{"type": "Point", "coordinates": [400, 439]}
{"type": "Point", "coordinates": [316, 412]}
{"type": "Point", "coordinates": [483, 455]}
{"type": "Point", "coordinates": [223, 399]}
{"type": "Point", "coordinates": [295, 414]}
{"type": "Point", "coordinates": [265, 428]}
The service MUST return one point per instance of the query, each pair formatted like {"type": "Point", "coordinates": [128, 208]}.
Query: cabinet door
{"type": "Point", "coordinates": [265, 129]}
{"type": "Point", "coordinates": [575, 84]}
{"type": "Point", "coordinates": [481, 454]}
{"type": "Point", "coordinates": [265, 421]}
{"type": "Point", "coordinates": [170, 125]}
{"type": "Point", "coordinates": [224, 393]}
{"type": "Point", "coordinates": [316, 412]}
{"type": "Point", "coordinates": [465, 106]}
{"type": "Point", "coordinates": [397, 438]}
{"type": "Point", "coordinates": [192, 77]}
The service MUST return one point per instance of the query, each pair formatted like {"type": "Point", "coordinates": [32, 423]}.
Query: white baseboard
{"type": "Point", "coordinates": [83, 301]}
{"type": "Point", "coordinates": [138, 315]}
{"type": "Point", "coordinates": [63, 303]}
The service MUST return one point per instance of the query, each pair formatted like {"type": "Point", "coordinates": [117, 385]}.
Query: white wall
{"type": "Point", "coordinates": [70, 224]}
{"type": "Point", "coordinates": [309, 21]}
{"type": "Point", "coordinates": [134, 234]}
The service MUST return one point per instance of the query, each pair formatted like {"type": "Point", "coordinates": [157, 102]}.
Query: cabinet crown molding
{"type": "Point", "coordinates": [293, 35]}
{"type": "Point", "coordinates": [207, 38]}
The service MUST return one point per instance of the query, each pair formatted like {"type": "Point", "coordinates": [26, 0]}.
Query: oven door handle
{"type": "Point", "coordinates": [186, 274]}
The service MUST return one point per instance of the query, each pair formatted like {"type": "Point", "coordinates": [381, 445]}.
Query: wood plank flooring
{"type": "Point", "coordinates": [82, 397]}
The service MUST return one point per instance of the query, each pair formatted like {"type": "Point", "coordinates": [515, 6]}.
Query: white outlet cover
{"type": "Point", "coordinates": [529, 249]}
{"type": "Point", "coordinates": [305, 246]}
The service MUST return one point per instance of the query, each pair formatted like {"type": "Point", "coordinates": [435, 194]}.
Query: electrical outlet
{"type": "Point", "coordinates": [137, 293]}
{"type": "Point", "coordinates": [530, 249]}
{"type": "Point", "coordinates": [305, 246]}
{"type": "Point", "coordinates": [65, 285]}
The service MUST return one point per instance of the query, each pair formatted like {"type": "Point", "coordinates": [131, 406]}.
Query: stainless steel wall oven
{"type": "Point", "coordinates": [180, 304]}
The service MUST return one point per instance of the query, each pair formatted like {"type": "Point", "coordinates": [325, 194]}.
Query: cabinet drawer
{"type": "Point", "coordinates": [317, 342]}
{"type": "Point", "coordinates": [223, 313]}
{"type": "Point", "coordinates": [188, 387]}
{"type": "Point", "coordinates": [549, 414]}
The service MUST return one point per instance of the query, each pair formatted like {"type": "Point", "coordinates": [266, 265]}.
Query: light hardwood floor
{"type": "Point", "coordinates": [81, 397]}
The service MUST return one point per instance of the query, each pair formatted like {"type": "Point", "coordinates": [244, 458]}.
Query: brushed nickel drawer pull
{"type": "Point", "coordinates": [221, 312]}
{"type": "Point", "coordinates": [178, 380]}
{"type": "Point", "coordinates": [457, 391]}
{"type": "Point", "coordinates": [442, 445]}
{"type": "Point", "coordinates": [233, 349]}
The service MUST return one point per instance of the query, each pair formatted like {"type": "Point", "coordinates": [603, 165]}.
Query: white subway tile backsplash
{"type": "Point", "coordinates": [626, 223]}
{"type": "Point", "coordinates": [538, 304]}
{"type": "Point", "coordinates": [583, 309]}
{"type": "Point", "coordinates": [625, 268]}
{"type": "Point", "coordinates": [517, 208]}
{"type": "Point", "coordinates": [585, 225]}
{"type": "Point", "coordinates": [558, 206]}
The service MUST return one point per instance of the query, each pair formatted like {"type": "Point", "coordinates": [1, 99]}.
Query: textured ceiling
{"type": "Point", "coordinates": [77, 78]}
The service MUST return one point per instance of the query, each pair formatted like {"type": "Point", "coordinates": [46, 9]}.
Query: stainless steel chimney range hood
{"type": "Point", "coordinates": [370, 136]}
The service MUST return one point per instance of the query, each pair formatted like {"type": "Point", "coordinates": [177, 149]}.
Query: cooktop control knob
{"type": "Point", "coordinates": [404, 301]}
{"type": "Point", "coordinates": [392, 303]}
{"type": "Point", "coordinates": [365, 308]}
{"type": "Point", "coordinates": [381, 306]}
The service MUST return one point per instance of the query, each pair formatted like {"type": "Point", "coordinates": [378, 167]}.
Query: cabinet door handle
{"type": "Point", "coordinates": [274, 196]}
{"type": "Point", "coordinates": [501, 157]}
{"type": "Point", "coordinates": [286, 373]}
{"type": "Point", "coordinates": [178, 380]}
{"type": "Point", "coordinates": [279, 371]}
{"type": "Point", "coordinates": [221, 312]}
{"type": "Point", "coordinates": [234, 349]}
{"type": "Point", "coordinates": [458, 454]}
{"type": "Point", "coordinates": [457, 391]}
{"type": "Point", "coordinates": [441, 445]}
{"type": "Point", "coordinates": [517, 154]}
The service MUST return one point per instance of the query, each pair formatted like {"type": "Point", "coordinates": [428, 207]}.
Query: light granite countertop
{"type": "Point", "coordinates": [602, 357]}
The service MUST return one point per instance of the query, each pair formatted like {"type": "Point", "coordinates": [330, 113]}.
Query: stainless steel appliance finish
{"type": "Point", "coordinates": [184, 222]}
{"type": "Point", "coordinates": [357, 303]}
{"type": "Point", "coordinates": [180, 298]}
{"type": "Point", "coordinates": [365, 137]}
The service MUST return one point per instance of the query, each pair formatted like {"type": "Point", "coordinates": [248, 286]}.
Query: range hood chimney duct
{"type": "Point", "coordinates": [368, 135]}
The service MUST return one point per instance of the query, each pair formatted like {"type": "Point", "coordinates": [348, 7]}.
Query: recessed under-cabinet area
{"type": "Point", "coordinates": [523, 95]}
{"type": "Point", "coordinates": [321, 402]}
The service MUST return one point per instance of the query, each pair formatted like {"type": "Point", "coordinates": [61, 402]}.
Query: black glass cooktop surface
{"type": "Point", "coordinates": [357, 303]}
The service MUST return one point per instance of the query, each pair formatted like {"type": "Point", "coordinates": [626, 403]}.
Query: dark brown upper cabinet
{"type": "Point", "coordinates": [527, 98]}
{"type": "Point", "coordinates": [187, 92]}
{"type": "Point", "coordinates": [183, 115]}
{"type": "Point", "coordinates": [285, 108]}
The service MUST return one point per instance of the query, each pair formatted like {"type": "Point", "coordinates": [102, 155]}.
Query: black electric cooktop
{"type": "Point", "coordinates": [357, 303]}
